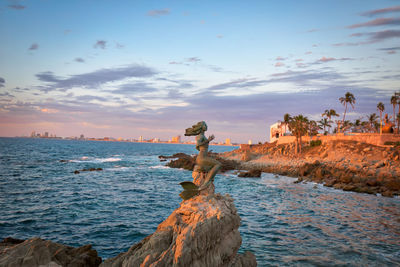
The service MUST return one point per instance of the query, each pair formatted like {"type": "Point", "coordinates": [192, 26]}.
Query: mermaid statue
{"type": "Point", "coordinates": [206, 167]}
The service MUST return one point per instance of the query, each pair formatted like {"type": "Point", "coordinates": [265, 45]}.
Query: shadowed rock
{"type": "Point", "coordinates": [37, 252]}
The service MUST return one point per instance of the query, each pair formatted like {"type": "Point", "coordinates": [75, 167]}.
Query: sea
{"type": "Point", "coordinates": [283, 223]}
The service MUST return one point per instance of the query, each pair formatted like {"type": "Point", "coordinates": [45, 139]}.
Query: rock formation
{"type": "Point", "coordinates": [203, 231]}
{"type": "Point", "coordinates": [37, 252]}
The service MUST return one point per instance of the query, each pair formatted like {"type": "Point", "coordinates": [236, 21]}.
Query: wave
{"type": "Point", "coordinates": [159, 167]}
{"type": "Point", "coordinates": [95, 160]}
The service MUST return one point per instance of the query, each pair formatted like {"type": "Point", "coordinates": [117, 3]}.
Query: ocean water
{"type": "Point", "coordinates": [283, 224]}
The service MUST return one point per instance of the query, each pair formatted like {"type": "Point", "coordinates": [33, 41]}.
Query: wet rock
{"type": "Point", "coordinates": [88, 170]}
{"type": "Point", "coordinates": [251, 173]}
{"type": "Point", "coordinates": [393, 185]}
{"type": "Point", "coordinates": [186, 163]}
{"type": "Point", "coordinates": [203, 231]}
{"type": "Point", "coordinates": [37, 252]}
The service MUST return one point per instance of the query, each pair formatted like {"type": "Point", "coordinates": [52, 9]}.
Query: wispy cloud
{"type": "Point", "coordinates": [79, 60]}
{"type": "Point", "coordinates": [389, 48]}
{"type": "Point", "coordinates": [378, 36]}
{"type": "Point", "coordinates": [280, 58]}
{"type": "Point", "coordinates": [93, 79]}
{"type": "Point", "coordinates": [279, 64]}
{"type": "Point", "coordinates": [2, 82]}
{"type": "Point", "coordinates": [158, 12]}
{"type": "Point", "coordinates": [100, 44]}
{"type": "Point", "coordinates": [329, 59]}
{"type": "Point", "coordinates": [34, 46]}
{"type": "Point", "coordinates": [376, 22]}
{"type": "Point", "coordinates": [17, 7]}
{"type": "Point", "coordinates": [193, 59]}
{"type": "Point", "coordinates": [381, 11]}
{"type": "Point", "coordinates": [132, 89]}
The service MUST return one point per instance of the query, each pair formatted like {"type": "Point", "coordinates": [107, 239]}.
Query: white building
{"type": "Point", "coordinates": [276, 130]}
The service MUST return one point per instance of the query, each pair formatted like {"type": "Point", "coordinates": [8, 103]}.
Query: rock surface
{"type": "Point", "coordinates": [346, 165]}
{"type": "Point", "coordinates": [203, 231]}
{"type": "Point", "coordinates": [37, 252]}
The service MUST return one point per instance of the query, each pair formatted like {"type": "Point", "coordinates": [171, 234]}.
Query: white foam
{"type": "Point", "coordinates": [95, 160]}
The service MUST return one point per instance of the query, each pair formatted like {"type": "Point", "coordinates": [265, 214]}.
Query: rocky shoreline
{"type": "Point", "coordinates": [346, 165]}
{"type": "Point", "coordinates": [202, 231]}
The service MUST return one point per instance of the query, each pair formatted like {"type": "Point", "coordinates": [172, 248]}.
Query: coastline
{"type": "Point", "coordinates": [346, 165]}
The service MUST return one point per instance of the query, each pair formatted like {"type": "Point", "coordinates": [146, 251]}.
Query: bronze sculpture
{"type": "Point", "coordinates": [206, 167]}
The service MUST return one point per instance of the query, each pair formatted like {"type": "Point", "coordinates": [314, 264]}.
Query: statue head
{"type": "Point", "coordinates": [196, 129]}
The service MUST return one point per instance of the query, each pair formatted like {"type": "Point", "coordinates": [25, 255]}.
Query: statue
{"type": "Point", "coordinates": [206, 167]}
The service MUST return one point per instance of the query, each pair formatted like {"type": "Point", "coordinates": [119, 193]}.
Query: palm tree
{"type": "Point", "coordinates": [298, 125]}
{"type": "Point", "coordinates": [348, 98]}
{"type": "Point", "coordinates": [397, 94]}
{"type": "Point", "coordinates": [329, 113]}
{"type": "Point", "coordinates": [286, 120]}
{"type": "Point", "coordinates": [381, 108]}
{"type": "Point", "coordinates": [324, 122]}
{"type": "Point", "coordinates": [372, 120]}
{"type": "Point", "coordinates": [393, 100]}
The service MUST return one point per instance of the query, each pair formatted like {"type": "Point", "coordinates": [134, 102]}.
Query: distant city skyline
{"type": "Point", "coordinates": [153, 68]}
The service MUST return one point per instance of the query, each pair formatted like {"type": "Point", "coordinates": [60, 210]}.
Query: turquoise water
{"type": "Point", "coordinates": [283, 224]}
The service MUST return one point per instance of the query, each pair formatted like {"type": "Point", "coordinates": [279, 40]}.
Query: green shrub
{"type": "Point", "coordinates": [315, 143]}
{"type": "Point", "coordinates": [391, 143]}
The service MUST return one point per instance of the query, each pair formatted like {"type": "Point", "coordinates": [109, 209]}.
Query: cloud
{"type": "Point", "coordinates": [17, 7]}
{"type": "Point", "coordinates": [391, 52]}
{"type": "Point", "coordinates": [93, 79]}
{"type": "Point", "coordinates": [2, 82]}
{"type": "Point", "coordinates": [378, 36]}
{"type": "Point", "coordinates": [329, 59]}
{"type": "Point", "coordinates": [240, 83]}
{"type": "Point", "coordinates": [279, 64]}
{"type": "Point", "coordinates": [308, 53]}
{"type": "Point", "coordinates": [134, 88]}
{"type": "Point", "coordinates": [389, 48]}
{"type": "Point", "coordinates": [377, 22]}
{"type": "Point", "coordinates": [34, 46]}
{"type": "Point", "coordinates": [88, 98]}
{"type": "Point", "coordinates": [220, 36]}
{"type": "Point", "coordinates": [383, 35]}
{"type": "Point", "coordinates": [381, 11]}
{"type": "Point", "coordinates": [79, 59]}
{"type": "Point", "coordinates": [193, 59]}
{"type": "Point", "coordinates": [280, 58]}
{"type": "Point", "coordinates": [158, 12]}
{"type": "Point", "coordinates": [100, 44]}
{"type": "Point", "coordinates": [6, 94]}
{"type": "Point", "coordinates": [313, 30]}
{"type": "Point", "coordinates": [119, 46]}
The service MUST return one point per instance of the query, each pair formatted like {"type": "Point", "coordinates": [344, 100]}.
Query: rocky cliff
{"type": "Point", "coordinates": [203, 231]}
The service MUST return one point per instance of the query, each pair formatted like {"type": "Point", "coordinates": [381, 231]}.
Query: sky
{"type": "Point", "coordinates": [153, 68]}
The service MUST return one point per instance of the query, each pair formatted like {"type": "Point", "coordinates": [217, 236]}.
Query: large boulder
{"type": "Point", "coordinates": [38, 252]}
{"type": "Point", "coordinates": [203, 231]}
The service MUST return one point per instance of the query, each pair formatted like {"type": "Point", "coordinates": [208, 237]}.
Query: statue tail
{"type": "Point", "coordinates": [189, 190]}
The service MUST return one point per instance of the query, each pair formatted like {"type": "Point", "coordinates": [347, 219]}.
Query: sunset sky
{"type": "Point", "coordinates": [153, 68]}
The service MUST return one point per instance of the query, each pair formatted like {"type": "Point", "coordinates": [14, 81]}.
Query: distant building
{"type": "Point", "coordinates": [140, 138]}
{"type": "Point", "coordinates": [176, 139]}
{"type": "Point", "coordinates": [46, 134]}
{"type": "Point", "coordinates": [250, 142]}
{"type": "Point", "coordinates": [82, 137]}
{"type": "Point", "coordinates": [228, 141]}
{"type": "Point", "coordinates": [33, 134]}
{"type": "Point", "coordinates": [276, 130]}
